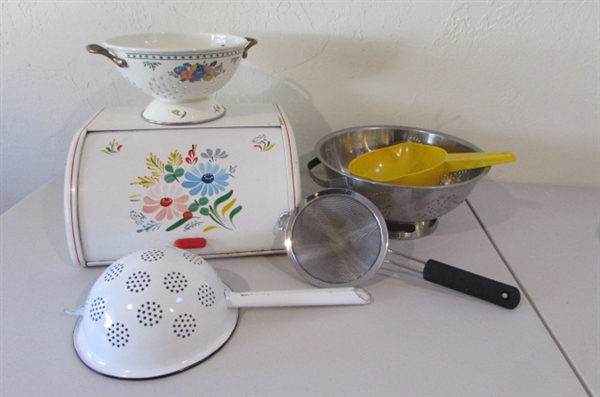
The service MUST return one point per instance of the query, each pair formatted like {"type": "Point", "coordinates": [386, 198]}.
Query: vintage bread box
{"type": "Point", "coordinates": [217, 188]}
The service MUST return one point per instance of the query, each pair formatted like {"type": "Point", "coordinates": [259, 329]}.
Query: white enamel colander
{"type": "Point", "coordinates": [160, 311]}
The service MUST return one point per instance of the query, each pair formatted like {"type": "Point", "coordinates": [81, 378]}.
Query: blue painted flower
{"type": "Point", "coordinates": [179, 69]}
{"type": "Point", "coordinates": [199, 73]}
{"type": "Point", "coordinates": [206, 179]}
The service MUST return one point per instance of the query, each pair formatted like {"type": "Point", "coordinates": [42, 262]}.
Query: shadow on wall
{"type": "Point", "coordinates": [325, 83]}
{"type": "Point", "coordinates": [281, 66]}
{"type": "Point", "coordinates": [296, 102]}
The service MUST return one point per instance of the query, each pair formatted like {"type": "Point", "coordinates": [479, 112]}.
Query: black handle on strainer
{"type": "Point", "coordinates": [472, 284]}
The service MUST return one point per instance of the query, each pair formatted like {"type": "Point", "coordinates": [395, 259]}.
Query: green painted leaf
{"type": "Point", "coordinates": [204, 211]}
{"type": "Point", "coordinates": [222, 199]}
{"type": "Point", "coordinates": [179, 172]}
{"type": "Point", "coordinates": [170, 178]}
{"type": "Point", "coordinates": [218, 221]}
{"type": "Point", "coordinates": [177, 224]}
{"type": "Point", "coordinates": [234, 212]}
{"type": "Point", "coordinates": [194, 206]}
{"type": "Point", "coordinates": [203, 201]}
{"type": "Point", "coordinates": [169, 167]}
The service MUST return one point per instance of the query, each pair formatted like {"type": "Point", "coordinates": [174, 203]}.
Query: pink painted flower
{"type": "Point", "coordinates": [169, 200]}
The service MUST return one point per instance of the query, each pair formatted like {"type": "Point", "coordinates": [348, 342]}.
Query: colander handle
{"type": "Point", "coordinates": [96, 49]}
{"type": "Point", "coordinates": [471, 284]}
{"type": "Point", "coordinates": [251, 43]}
{"type": "Point", "coordinates": [304, 297]}
{"type": "Point", "coordinates": [336, 183]}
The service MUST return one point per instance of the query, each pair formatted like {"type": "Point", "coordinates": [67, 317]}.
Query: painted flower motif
{"type": "Point", "coordinates": [186, 75]}
{"type": "Point", "coordinates": [196, 72]}
{"type": "Point", "coordinates": [207, 179]}
{"type": "Point", "coordinates": [262, 143]}
{"type": "Point", "coordinates": [192, 159]}
{"type": "Point", "coordinates": [211, 155]}
{"type": "Point", "coordinates": [169, 200]}
{"type": "Point", "coordinates": [113, 147]}
{"type": "Point", "coordinates": [199, 73]}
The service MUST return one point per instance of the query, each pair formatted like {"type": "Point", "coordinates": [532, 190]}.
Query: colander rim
{"type": "Point", "coordinates": [126, 43]}
{"type": "Point", "coordinates": [367, 182]}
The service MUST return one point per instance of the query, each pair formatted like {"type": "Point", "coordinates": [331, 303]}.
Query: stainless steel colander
{"type": "Point", "coordinates": [410, 211]}
{"type": "Point", "coordinates": [337, 237]}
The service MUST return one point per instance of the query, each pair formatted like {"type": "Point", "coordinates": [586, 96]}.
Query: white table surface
{"type": "Point", "coordinates": [550, 237]}
{"type": "Point", "coordinates": [413, 339]}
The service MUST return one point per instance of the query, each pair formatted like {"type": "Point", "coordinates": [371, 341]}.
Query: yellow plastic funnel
{"type": "Point", "coordinates": [415, 164]}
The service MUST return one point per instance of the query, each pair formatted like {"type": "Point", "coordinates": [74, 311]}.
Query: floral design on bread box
{"type": "Point", "coordinates": [187, 192]}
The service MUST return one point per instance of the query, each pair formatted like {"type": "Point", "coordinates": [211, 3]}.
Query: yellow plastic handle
{"type": "Point", "coordinates": [467, 161]}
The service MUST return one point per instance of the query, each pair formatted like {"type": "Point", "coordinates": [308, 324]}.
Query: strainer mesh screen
{"type": "Point", "coordinates": [336, 239]}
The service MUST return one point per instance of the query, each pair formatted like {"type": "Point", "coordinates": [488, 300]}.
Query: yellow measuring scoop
{"type": "Point", "coordinates": [415, 164]}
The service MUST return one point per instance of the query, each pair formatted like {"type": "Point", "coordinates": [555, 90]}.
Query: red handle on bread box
{"type": "Point", "coordinates": [190, 243]}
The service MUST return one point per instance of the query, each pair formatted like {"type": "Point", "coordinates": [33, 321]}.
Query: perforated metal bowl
{"type": "Point", "coordinates": [160, 311]}
{"type": "Point", "coordinates": [409, 211]}
{"type": "Point", "coordinates": [153, 313]}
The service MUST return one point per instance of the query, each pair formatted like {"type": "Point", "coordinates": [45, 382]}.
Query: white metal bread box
{"type": "Point", "coordinates": [217, 188]}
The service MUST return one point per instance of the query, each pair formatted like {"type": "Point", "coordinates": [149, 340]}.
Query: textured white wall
{"type": "Point", "coordinates": [518, 75]}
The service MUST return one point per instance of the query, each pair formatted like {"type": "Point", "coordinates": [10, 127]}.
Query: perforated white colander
{"type": "Point", "coordinates": [160, 311]}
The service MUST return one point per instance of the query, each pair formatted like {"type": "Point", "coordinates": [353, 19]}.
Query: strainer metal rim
{"type": "Point", "coordinates": [323, 194]}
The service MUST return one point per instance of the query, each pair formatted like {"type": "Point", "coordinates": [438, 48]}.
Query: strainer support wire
{"type": "Point", "coordinates": [418, 268]}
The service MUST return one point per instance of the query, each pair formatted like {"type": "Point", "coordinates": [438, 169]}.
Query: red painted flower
{"type": "Point", "coordinates": [191, 159]}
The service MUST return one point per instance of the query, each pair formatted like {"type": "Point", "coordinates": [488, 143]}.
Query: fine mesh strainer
{"type": "Point", "coordinates": [160, 311]}
{"type": "Point", "coordinates": [337, 237]}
